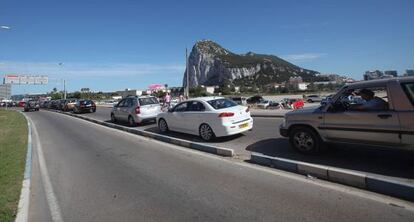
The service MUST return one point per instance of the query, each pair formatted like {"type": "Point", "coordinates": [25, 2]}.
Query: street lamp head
{"type": "Point", "coordinates": [5, 27]}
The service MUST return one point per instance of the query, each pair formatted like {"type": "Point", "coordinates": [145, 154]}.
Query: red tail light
{"type": "Point", "coordinates": [226, 114]}
{"type": "Point", "coordinates": [137, 110]}
{"type": "Point", "coordinates": [247, 110]}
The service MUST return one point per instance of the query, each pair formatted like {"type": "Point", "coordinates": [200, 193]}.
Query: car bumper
{"type": "Point", "coordinates": [142, 118]}
{"type": "Point", "coordinates": [233, 129]}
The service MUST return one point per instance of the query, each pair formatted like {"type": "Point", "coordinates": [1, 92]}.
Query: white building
{"type": "Point", "coordinates": [302, 86]}
{"type": "Point", "coordinates": [210, 89]}
{"type": "Point", "coordinates": [5, 91]}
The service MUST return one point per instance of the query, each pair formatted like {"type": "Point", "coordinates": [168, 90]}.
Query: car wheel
{"type": "Point", "coordinates": [305, 140]}
{"type": "Point", "coordinates": [131, 121]}
{"type": "Point", "coordinates": [113, 119]}
{"type": "Point", "coordinates": [206, 133]}
{"type": "Point", "coordinates": [94, 110]}
{"type": "Point", "coordinates": [163, 126]}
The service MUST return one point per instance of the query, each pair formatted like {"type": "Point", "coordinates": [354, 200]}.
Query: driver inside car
{"type": "Point", "coordinates": [371, 102]}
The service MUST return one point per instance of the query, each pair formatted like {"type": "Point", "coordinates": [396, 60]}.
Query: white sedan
{"type": "Point", "coordinates": [208, 117]}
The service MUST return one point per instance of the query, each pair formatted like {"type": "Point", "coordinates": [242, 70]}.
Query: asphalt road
{"type": "Point", "coordinates": [86, 172]}
{"type": "Point", "coordinates": [265, 139]}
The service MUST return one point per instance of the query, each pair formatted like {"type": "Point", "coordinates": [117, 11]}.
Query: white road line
{"type": "Point", "coordinates": [23, 207]}
{"type": "Point", "coordinates": [47, 185]}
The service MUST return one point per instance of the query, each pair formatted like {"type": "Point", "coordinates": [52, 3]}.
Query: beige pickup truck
{"type": "Point", "coordinates": [374, 113]}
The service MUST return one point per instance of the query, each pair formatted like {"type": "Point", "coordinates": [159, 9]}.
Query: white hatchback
{"type": "Point", "coordinates": [207, 117]}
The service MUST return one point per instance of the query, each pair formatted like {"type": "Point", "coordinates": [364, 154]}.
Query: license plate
{"type": "Point", "coordinates": [244, 125]}
{"type": "Point", "coordinates": [88, 105]}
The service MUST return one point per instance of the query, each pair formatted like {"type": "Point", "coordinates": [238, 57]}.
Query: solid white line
{"type": "Point", "coordinates": [50, 195]}
{"type": "Point", "coordinates": [23, 207]}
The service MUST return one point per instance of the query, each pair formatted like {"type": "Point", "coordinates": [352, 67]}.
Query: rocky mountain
{"type": "Point", "coordinates": [210, 64]}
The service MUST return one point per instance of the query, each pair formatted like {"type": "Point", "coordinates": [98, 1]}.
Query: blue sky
{"type": "Point", "coordinates": [112, 45]}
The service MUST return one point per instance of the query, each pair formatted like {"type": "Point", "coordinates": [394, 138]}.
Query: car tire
{"type": "Point", "coordinates": [305, 140]}
{"type": "Point", "coordinates": [163, 126]}
{"type": "Point", "coordinates": [206, 133]}
{"type": "Point", "coordinates": [131, 121]}
{"type": "Point", "coordinates": [113, 118]}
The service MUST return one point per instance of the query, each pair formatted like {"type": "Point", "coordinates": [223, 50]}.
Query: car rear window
{"type": "Point", "coordinates": [221, 103]}
{"type": "Point", "coordinates": [147, 101]}
{"type": "Point", "coordinates": [409, 91]}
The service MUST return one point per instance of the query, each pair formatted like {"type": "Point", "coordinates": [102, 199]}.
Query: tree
{"type": "Point", "coordinates": [77, 95]}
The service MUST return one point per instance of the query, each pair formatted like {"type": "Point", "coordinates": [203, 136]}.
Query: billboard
{"type": "Point", "coordinates": [41, 80]}
{"type": "Point", "coordinates": [26, 79]}
{"type": "Point", "coordinates": [11, 79]}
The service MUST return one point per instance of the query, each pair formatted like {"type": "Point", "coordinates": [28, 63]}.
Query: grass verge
{"type": "Point", "coordinates": [13, 147]}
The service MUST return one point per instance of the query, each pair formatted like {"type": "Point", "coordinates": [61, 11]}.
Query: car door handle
{"type": "Point", "coordinates": [384, 116]}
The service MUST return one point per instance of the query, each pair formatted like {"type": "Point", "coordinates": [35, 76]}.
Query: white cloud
{"type": "Point", "coordinates": [75, 70]}
{"type": "Point", "coordinates": [304, 57]}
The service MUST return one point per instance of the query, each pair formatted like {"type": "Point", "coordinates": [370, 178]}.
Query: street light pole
{"type": "Point", "coordinates": [7, 88]}
{"type": "Point", "coordinates": [186, 74]}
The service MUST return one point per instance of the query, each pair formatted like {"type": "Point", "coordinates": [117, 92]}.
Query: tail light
{"type": "Point", "coordinates": [137, 110]}
{"type": "Point", "coordinates": [247, 110]}
{"type": "Point", "coordinates": [226, 114]}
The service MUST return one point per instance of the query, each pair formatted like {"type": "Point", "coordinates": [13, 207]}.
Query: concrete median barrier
{"type": "Point", "coordinates": [351, 178]}
{"type": "Point", "coordinates": [164, 138]}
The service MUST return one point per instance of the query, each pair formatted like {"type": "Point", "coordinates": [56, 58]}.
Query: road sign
{"type": "Point", "coordinates": [12, 79]}
{"type": "Point", "coordinates": [26, 79]}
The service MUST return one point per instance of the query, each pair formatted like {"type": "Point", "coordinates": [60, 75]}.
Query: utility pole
{"type": "Point", "coordinates": [64, 89]}
{"type": "Point", "coordinates": [186, 74]}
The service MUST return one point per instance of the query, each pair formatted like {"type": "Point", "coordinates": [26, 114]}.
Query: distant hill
{"type": "Point", "coordinates": [211, 64]}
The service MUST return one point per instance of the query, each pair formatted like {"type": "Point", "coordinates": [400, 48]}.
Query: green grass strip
{"type": "Point", "coordinates": [13, 147]}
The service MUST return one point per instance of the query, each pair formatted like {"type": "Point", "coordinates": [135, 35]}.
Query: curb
{"type": "Point", "coordinates": [164, 138]}
{"type": "Point", "coordinates": [23, 207]}
{"type": "Point", "coordinates": [347, 177]}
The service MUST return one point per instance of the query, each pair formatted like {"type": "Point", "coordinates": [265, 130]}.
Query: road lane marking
{"type": "Point", "coordinates": [47, 185]}
{"type": "Point", "coordinates": [23, 207]}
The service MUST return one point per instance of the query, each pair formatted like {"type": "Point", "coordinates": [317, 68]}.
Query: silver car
{"type": "Point", "coordinates": [136, 109]}
{"type": "Point", "coordinates": [374, 113]}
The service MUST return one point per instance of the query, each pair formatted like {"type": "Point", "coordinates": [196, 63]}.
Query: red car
{"type": "Point", "coordinates": [298, 104]}
{"type": "Point", "coordinates": [22, 103]}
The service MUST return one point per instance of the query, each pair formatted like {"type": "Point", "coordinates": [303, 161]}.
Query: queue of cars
{"type": "Point", "coordinates": [75, 105]}
{"type": "Point", "coordinates": [340, 118]}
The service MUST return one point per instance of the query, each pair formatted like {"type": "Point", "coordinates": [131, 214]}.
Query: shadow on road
{"type": "Point", "coordinates": [193, 138]}
{"type": "Point", "coordinates": [144, 124]}
{"type": "Point", "coordinates": [394, 163]}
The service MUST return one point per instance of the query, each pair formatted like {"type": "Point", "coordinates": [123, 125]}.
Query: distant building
{"type": "Point", "coordinates": [409, 72]}
{"type": "Point", "coordinates": [302, 86]}
{"type": "Point", "coordinates": [5, 91]}
{"type": "Point", "coordinates": [392, 73]}
{"type": "Point", "coordinates": [129, 92]}
{"type": "Point", "coordinates": [210, 89]}
{"type": "Point", "coordinates": [376, 74]}
{"type": "Point", "coordinates": [295, 80]}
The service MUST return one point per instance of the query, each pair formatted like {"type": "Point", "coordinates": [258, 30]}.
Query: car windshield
{"type": "Point", "coordinates": [221, 103]}
{"type": "Point", "coordinates": [147, 101]}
